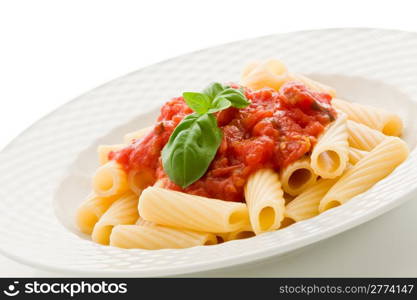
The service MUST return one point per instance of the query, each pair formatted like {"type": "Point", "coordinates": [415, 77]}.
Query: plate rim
{"type": "Point", "coordinates": [224, 262]}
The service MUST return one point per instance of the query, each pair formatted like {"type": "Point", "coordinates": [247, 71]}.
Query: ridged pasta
{"type": "Point", "coordinates": [122, 211]}
{"type": "Point", "coordinates": [138, 180]}
{"type": "Point", "coordinates": [363, 137]}
{"type": "Point", "coordinates": [135, 135]}
{"type": "Point", "coordinates": [141, 221]}
{"type": "Point", "coordinates": [110, 180]}
{"type": "Point", "coordinates": [271, 73]}
{"type": "Point", "coordinates": [356, 155]}
{"type": "Point", "coordinates": [312, 84]}
{"type": "Point", "coordinates": [331, 153]}
{"type": "Point", "coordinates": [177, 209]}
{"type": "Point", "coordinates": [90, 211]}
{"type": "Point", "coordinates": [306, 205]}
{"type": "Point", "coordinates": [265, 200]}
{"type": "Point", "coordinates": [153, 237]}
{"type": "Point", "coordinates": [375, 166]}
{"type": "Point", "coordinates": [104, 150]}
{"type": "Point", "coordinates": [386, 122]}
{"type": "Point", "coordinates": [249, 68]}
{"type": "Point", "coordinates": [297, 177]}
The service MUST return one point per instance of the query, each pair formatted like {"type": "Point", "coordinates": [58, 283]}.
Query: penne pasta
{"type": "Point", "coordinates": [306, 205]}
{"type": "Point", "coordinates": [362, 137]}
{"type": "Point", "coordinates": [110, 180]}
{"type": "Point", "coordinates": [90, 211]}
{"type": "Point", "coordinates": [297, 177]}
{"type": "Point", "coordinates": [139, 180]}
{"type": "Point", "coordinates": [375, 166]}
{"type": "Point", "coordinates": [122, 211]}
{"type": "Point", "coordinates": [356, 155]}
{"type": "Point", "coordinates": [104, 150]}
{"type": "Point", "coordinates": [135, 135]}
{"type": "Point", "coordinates": [265, 200]}
{"type": "Point", "coordinates": [153, 237]}
{"type": "Point", "coordinates": [331, 153]}
{"type": "Point", "coordinates": [141, 221]}
{"type": "Point", "coordinates": [249, 68]}
{"type": "Point", "coordinates": [272, 73]}
{"type": "Point", "coordinates": [386, 122]}
{"type": "Point", "coordinates": [177, 209]}
{"type": "Point", "coordinates": [315, 85]}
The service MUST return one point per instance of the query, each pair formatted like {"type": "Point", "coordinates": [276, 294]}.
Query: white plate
{"type": "Point", "coordinates": [46, 172]}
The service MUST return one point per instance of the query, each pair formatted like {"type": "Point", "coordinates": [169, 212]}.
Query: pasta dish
{"type": "Point", "coordinates": [238, 160]}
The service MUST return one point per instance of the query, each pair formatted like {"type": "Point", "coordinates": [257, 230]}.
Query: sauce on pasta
{"type": "Point", "coordinates": [276, 129]}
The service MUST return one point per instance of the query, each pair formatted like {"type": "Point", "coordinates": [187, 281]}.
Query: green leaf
{"type": "Point", "coordinates": [214, 98]}
{"type": "Point", "coordinates": [191, 148]}
{"type": "Point", "coordinates": [218, 104]}
{"type": "Point", "coordinates": [194, 142]}
{"type": "Point", "coordinates": [213, 90]}
{"type": "Point", "coordinates": [235, 96]}
{"type": "Point", "coordinates": [198, 102]}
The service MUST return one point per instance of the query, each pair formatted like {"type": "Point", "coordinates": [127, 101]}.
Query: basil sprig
{"type": "Point", "coordinates": [194, 143]}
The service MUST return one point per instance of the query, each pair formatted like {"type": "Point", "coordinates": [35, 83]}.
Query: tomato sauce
{"type": "Point", "coordinates": [276, 129]}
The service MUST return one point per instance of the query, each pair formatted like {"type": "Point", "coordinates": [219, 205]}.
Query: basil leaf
{"type": "Point", "coordinates": [198, 102]}
{"type": "Point", "coordinates": [213, 90]}
{"type": "Point", "coordinates": [191, 148]}
{"type": "Point", "coordinates": [215, 98]}
{"type": "Point", "coordinates": [219, 104]}
{"type": "Point", "coordinates": [236, 97]}
{"type": "Point", "coordinates": [194, 142]}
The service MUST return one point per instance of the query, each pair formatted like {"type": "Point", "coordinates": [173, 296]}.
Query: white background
{"type": "Point", "coordinates": [53, 51]}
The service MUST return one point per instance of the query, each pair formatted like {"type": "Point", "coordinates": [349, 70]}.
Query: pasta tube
{"type": "Point", "coordinates": [104, 150]}
{"type": "Point", "coordinates": [122, 211]}
{"type": "Point", "coordinates": [297, 176]}
{"type": "Point", "coordinates": [143, 222]}
{"type": "Point", "coordinates": [177, 209]}
{"type": "Point", "coordinates": [306, 205]}
{"type": "Point", "coordinates": [363, 137]}
{"type": "Point", "coordinates": [375, 166]}
{"type": "Point", "coordinates": [272, 73]}
{"type": "Point", "coordinates": [384, 121]}
{"type": "Point", "coordinates": [110, 180]}
{"type": "Point", "coordinates": [356, 155]}
{"type": "Point", "coordinates": [91, 210]}
{"type": "Point", "coordinates": [331, 153]}
{"type": "Point", "coordinates": [153, 237]}
{"type": "Point", "coordinates": [139, 180]}
{"type": "Point", "coordinates": [312, 84]}
{"type": "Point", "coordinates": [265, 200]}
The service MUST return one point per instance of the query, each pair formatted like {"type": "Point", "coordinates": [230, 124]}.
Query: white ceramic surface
{"type": "Point", "coordinates": [50, 165]}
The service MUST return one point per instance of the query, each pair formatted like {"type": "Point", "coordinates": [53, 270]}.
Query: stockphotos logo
{"type": "Point", "coordinates": [12, 290]}
{"type": "Point", "coordinates": [71, 289]}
